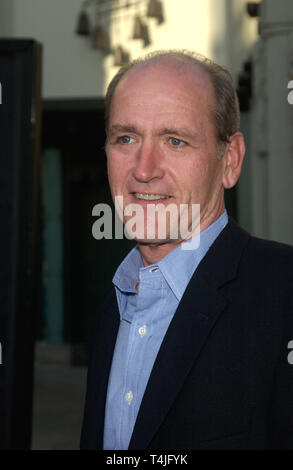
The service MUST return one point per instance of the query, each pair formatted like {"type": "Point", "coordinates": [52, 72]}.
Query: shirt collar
{"type": "Point", "coordinates": [127, 274]}
{"type": "Point", "coordinates": [177, 267]}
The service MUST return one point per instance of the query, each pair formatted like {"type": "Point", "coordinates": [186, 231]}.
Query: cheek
{"type": "Point", "coordinates": [197, 180]}
{"type": "Point", "coordinates": [193, 177]}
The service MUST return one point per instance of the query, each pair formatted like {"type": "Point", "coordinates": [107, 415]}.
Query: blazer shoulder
{"type": "Point", "coordinates": [259, 245]}
{"type": "Point", "coordinates": [270, 248]}
{"type": "Point", "coordinates": [270, 261]}
{"type": "Point", "coordinates": [269, 257]}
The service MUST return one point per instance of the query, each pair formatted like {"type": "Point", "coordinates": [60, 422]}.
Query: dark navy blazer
{"type": "Point", "coordinates": [222, 378]}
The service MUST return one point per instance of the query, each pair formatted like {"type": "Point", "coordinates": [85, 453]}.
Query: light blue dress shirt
{"type": "Point", "coordinates": [144, 319]}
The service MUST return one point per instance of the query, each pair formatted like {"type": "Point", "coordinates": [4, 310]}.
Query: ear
{"type": "Point", "coordinates": [233, 156]}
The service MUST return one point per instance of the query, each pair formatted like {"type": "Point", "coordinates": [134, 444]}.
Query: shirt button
{"type": "Point", "coordinates": [142, 330]}
{"type": "Point", "coordinates": [129, 397]}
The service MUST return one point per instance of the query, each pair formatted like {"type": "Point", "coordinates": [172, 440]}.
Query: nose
{"type": "Point", "coordinates": [148, 163]}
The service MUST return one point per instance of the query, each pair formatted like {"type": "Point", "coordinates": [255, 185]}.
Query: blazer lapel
{"type": "Point", "coordinates": [199, 309]}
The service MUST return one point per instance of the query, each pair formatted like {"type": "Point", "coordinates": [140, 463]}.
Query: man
{"type": "Point", "coordinates": [191, 348]}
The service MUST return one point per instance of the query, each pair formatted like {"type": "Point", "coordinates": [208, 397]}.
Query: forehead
{"type": "Point", "coordinates": [165, 83]}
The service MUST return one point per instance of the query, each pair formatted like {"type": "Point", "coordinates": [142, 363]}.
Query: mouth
{"type": "Point", "coordinates": [150, 197]}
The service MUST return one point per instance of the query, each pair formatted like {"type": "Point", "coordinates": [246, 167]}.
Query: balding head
{"type": "Point", "coordinates": [225, 110]}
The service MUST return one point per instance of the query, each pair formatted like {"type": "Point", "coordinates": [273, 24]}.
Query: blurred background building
{"type": "Point", "coordinates": [82, 45]}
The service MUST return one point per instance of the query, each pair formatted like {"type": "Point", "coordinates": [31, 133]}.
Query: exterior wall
{"type": "Point", "coordinates": [70, 67]}
{"type": "Point", "coordinates": [219, 29]}
{"type": "Point", "coordinates": [5, 18]}
{"type": "Point", "coordinates": [271, 125]}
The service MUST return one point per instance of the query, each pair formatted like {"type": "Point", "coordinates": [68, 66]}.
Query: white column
{"type": "Point", "coordinates": [272, 124]}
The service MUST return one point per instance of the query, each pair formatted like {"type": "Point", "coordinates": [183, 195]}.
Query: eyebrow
{"type": "Point", "coordinates": [122, 128]}
{"type": "Point", "coordinates": [179, 132]}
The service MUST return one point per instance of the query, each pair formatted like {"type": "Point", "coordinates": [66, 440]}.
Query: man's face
{"type": "Point", "coordinates": [162, 142]}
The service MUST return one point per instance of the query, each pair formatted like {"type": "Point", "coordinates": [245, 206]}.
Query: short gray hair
{"type": "Point", "coordinates": [226, 112]}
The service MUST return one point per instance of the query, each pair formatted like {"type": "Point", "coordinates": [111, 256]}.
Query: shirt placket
{"type": "Point", "coordinates": [140, 329]}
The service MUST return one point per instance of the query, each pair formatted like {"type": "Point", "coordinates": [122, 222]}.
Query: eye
{"type": "Point", "coordinates": [125, 139]}
{"type": "Point", "coordinates": [176, 142]}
